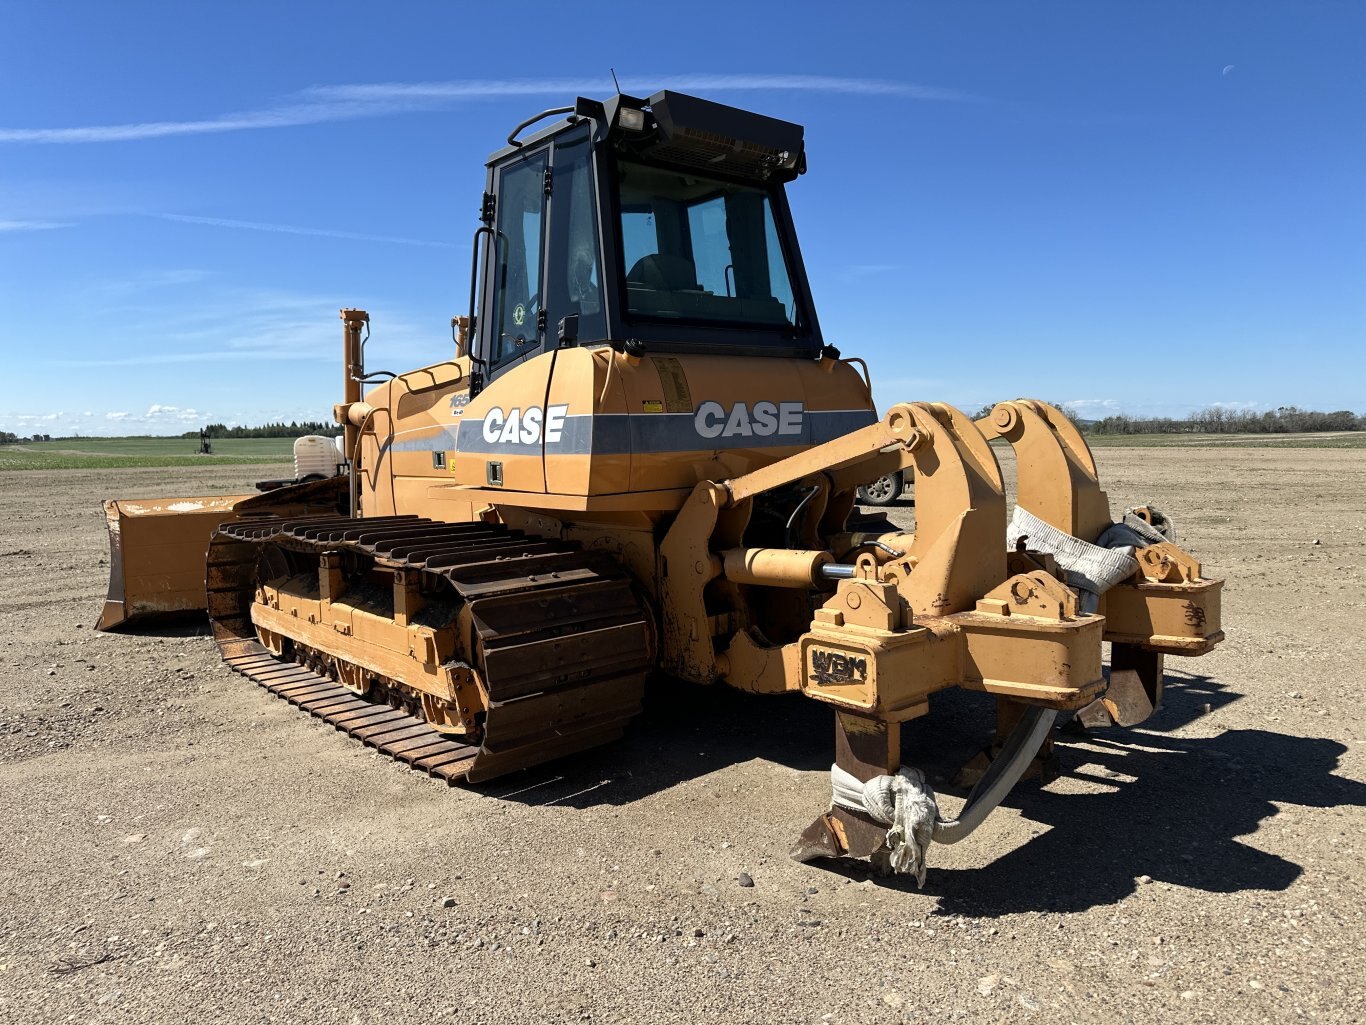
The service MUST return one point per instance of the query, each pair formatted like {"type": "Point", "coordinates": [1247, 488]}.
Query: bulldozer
{"type": "Point", "coordinates": [641, 459]}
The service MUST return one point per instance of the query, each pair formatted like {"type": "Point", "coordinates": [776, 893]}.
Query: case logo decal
{"type": "Point", "coordinates": [518, 427]}
{"type": "Point", "coordinates": [765, 420]}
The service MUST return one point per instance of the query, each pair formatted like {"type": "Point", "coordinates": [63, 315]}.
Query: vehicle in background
{"type": "Point", "coordinates": [886, 490]}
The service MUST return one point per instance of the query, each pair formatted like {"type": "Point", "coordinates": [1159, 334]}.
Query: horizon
{"type": "Point", "coordinates": [1149, 212]}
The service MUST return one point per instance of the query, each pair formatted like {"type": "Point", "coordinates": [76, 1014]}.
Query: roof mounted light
{"type": "Point", "coordinates": [702, 134]}
{"type": "Point", "coordinates": [630, 119]}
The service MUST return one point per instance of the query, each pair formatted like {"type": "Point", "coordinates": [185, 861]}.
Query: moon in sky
{"type": "Point", "coordinates": [1227, 69]}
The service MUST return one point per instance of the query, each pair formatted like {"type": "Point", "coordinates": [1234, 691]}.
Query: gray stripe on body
{"type": "Point", "coordinates": [623, 433]}
{"type": "Point", "coordinates": [441, 439]}
{"type": "Point", "coordinates": [677, 432]}
{"type": "Point", "coordinates": [576, 438]}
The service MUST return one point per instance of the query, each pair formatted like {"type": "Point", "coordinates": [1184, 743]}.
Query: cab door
{"type": "Point", "coordinates": [513, 331]}
{"type": "Point", "coordinates": [498, 443]}
{"type": "Point", "coordinates": [542, 267]}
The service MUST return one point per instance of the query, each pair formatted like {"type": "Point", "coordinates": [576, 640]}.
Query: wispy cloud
{"type": "Point", "coordinates": [233, 327]}
{"type": "Point", "coordinates": [32, 225]}
{"type": "Point", "coordinates": [292, 229]}
{"type": "Point", "coordinates": [274, 117]}
{"type": "Point", "coordinates": [214, 356]}
{"type": "Point", "coordinates": [487, 89]}
{"type": "Point", "coordinates": [321, 104]}
{"type": "Point", "coordinates": [1094, 406]}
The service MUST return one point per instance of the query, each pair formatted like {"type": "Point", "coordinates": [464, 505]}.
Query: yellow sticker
{"type": "Point", "coordinates": [450, 460]}
{"type": "Point", "coordinates": [652, 406]}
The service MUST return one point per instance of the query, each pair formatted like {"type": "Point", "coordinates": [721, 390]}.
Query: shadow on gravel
{"type": "Point", "coordinates": [1173, 809]}
{"type": "Point", "coordinates": [1177, 821]}
{"type": "Point", "coordinates": [686, 731]}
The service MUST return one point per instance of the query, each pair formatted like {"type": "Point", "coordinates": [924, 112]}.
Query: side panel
{"type": "Point", "coordinates": [661, 422]}
{"type": "Point", "coordinates": [592, 422]}
{"type": "Point", "coordinates": [501, 430]}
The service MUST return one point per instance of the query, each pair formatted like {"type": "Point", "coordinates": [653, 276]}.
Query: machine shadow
{"type": "Point", "coordinates": [1176, 811]}
{"type": "Point", "coordinates": [166, 625]}
{"type": "Point", "coordinates": [1172, 809]}
{"type": "Point", "coordinates": [685, 731]}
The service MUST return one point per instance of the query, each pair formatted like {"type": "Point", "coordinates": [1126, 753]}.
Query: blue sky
{"type": "Point", "coordinates": [1141, 207]}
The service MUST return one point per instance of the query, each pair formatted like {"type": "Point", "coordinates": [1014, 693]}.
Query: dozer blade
{"type": "Point", "coordinates": [157, 548]}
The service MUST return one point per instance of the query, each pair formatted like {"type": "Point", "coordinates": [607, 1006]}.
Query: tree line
{"type": "Point", "coordinates": [1217, 420]}
{"type": "Point", "coordinates": [293, 429]}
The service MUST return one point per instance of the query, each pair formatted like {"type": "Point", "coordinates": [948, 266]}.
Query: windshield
{"type": "Point", "coordinates": [696, 248]}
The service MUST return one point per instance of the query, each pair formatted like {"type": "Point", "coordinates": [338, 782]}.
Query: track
{"type": "Point", "coordinates": [556, 638]}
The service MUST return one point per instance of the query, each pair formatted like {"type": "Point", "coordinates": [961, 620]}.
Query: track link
{"type": "Point", "coordinates": [559, 638]}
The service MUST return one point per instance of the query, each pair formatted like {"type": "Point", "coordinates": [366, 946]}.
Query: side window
{"type": "Point", "coordinates": [639, 236]}
{"type": "Point", "coordinates": [574, 272]}
{"type": "Point", "coordinates": [711, 246]}
{"type": "Point", "coordinates": [521, 217]}
{"type": "Point", "coordinates": [779, 282]}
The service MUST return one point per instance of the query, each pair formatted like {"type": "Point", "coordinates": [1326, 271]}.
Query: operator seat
{"type": "Point", "coordinates": [664, 273]}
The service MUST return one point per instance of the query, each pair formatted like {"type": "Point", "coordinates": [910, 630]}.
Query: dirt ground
{"type": "Point", "coordinates": [179, 845]}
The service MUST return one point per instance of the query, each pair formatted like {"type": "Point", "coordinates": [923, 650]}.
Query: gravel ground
{"type": "Point", "coordinates": [177, 844]}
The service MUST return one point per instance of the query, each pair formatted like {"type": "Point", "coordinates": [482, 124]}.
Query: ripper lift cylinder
{"type": "Point", "coordinates": [776, 567]}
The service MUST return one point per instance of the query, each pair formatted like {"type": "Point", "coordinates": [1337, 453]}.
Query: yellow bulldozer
{"type": "Point", "coordinates": [642, 458]}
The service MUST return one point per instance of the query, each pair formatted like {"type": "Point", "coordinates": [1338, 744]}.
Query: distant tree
{"type": "Point", "coordinates": [293, 429]}
{"type": "Point", "coordinates": [1221, 420]}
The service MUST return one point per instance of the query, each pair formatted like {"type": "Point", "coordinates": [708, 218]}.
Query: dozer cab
{"type": "Point", "coordinates": [643, 458]}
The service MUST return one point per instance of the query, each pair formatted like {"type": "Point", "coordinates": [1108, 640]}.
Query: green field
{"type": "Point", "coordinates": [120, 453]}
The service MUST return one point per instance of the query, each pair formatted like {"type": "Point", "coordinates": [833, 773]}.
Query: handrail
{"type": "Point", "coordinates": [512, 136]}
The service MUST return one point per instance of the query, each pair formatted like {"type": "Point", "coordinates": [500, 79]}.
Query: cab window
{"type": "Point", "coordinates": [699, 249]}
{"type": "Point", "coordinates": [521, 217]}
{"type": "Point", "coordinates": [573, 272]}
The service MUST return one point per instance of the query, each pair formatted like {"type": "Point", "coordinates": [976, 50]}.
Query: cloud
{"type": "Point", "coordinates": [158, 419]}
{"type": "Point", "coordinates": [322, 104]}
{"type": "Point", "coordinates": [276, 117]}
{"type": "Point", "coordinates": [210, 356]}
{"type": "Point", "coordinates": [266, 327]}
{"type": "Point", "coordinates": [290, 229]}
{"type": "Point", "coordinates": [32, 225]}
{"type": "Point", "coordinates": [476, 89]}
{"type": "Point", "coordinates": [1095, 405]}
